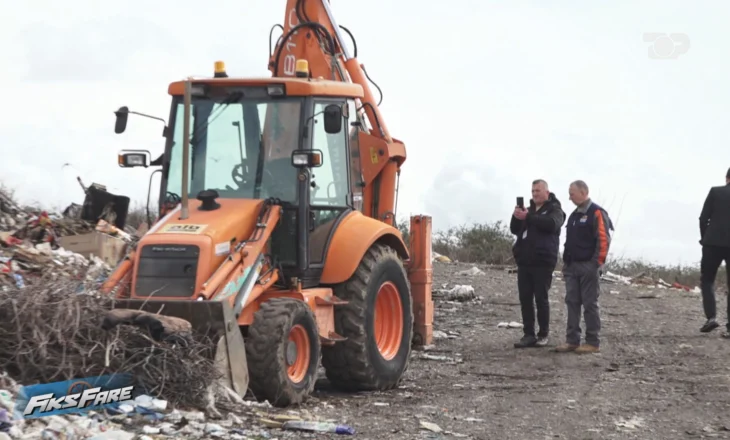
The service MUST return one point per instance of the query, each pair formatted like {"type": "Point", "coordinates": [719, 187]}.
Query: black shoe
{"type": "Point", "coordinates": [542, 341]}
{"type": "Point", "coordinates": [526, 341]}
{"type": "Point", "coordinates": [709, 326]}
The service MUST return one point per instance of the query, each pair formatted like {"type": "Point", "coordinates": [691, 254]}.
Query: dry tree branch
{"type": "Point", "coordinates": [49, 332]}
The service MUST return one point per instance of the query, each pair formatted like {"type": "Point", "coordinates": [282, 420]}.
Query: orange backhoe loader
{"type": "Point", "coordinates": [289, 252]}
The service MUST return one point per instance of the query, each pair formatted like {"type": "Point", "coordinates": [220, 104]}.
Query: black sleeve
{"type": "Point", "coordinates": [515, 225]}
{"type": "Point", "coordinates": [706, 214]}
{"type": "Point", "coordinates": [548, 223]}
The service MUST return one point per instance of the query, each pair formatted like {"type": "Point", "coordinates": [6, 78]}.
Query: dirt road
{"type": "Point", "coordinates": [656, 378]}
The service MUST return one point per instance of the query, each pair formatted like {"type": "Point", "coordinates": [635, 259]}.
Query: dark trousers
{"type": "Point", "coordinates": [533, 284]}
{"type": "Point", "coordinates": [712, 258]}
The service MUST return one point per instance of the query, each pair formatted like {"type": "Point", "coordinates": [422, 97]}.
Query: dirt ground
{"type": "Point", "coordinates": [656, 378]}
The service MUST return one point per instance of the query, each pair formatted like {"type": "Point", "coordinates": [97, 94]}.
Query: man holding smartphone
{"type": "Point", "coordinates": [536, 253]}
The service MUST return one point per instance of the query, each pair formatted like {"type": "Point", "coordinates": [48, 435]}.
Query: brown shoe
{"type": "Point", "coordinates": [566, 348]}
{"type": "Point", "coordinates": [587, 349]}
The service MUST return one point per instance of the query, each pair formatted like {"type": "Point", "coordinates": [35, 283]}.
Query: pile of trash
{"type": "Point", "coordinates": [646, 280]}
{"type": "Point", "coordinates": [23, 264]}
{"type": "Point", "coordinates": [32, 245]}
{"type": "Point", "coordinates": [146, 418]}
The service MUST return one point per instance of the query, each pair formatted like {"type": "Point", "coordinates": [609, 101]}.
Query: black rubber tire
{"type": "Point", "coordinates": [356, 364]}
{"type": "Point", "coordinates": [266, 345]}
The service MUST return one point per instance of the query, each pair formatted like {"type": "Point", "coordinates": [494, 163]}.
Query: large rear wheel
{"type": "Point", "coordinates": [377, 322]}
{"type": "Point", "coordinates": [283, 352]}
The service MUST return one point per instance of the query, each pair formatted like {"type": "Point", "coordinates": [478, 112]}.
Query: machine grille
{"type": "Point", "coordinates": [167, 270]}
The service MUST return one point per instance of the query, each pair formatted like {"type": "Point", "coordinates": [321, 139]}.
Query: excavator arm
{"type": "Point", "coordinates": [311, 33]}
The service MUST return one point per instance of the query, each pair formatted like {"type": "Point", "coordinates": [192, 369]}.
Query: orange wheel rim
{"type": "Point", "coordinates": [297, 353]}
{"type": "Point", "coordinates": [388, 320]}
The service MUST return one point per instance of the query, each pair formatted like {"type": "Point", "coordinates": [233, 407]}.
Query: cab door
{"type": "Point", "coordinates": [330, 185]}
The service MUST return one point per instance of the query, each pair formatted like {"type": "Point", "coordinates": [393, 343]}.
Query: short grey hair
{"type": "Point", "coordinates": [535, 182]}
{"type": "Point", "coordinates": [581, 185]}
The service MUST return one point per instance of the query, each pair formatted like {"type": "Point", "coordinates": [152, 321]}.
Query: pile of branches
{"type": "Point", "coordinates": [49, 333]}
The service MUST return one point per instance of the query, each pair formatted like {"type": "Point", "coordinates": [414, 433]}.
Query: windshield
{"type": "Point", "coordinates": [239, 146]}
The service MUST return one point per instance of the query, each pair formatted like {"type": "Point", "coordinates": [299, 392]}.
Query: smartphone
{"type": "Point", "coordinates": [521, 202]}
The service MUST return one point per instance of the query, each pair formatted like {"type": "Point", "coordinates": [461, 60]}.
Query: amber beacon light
{"type": "Point", "coordinates": [302, 68]}
{"type": "Point", "coordinates": [220, 70]}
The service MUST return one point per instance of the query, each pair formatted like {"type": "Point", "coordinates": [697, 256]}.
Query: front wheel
{"type": "Point", "coordinates": [377, 322]}
{"type": "Point", "coordinates": [283, 352]}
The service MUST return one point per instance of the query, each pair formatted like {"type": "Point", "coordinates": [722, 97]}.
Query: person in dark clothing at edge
{"type": "Point", "coordinates": [715, 241]}
{"type": "Point", "coordinates": [587, 241]}
{"type": "Point", "coordinates": [536, 254]}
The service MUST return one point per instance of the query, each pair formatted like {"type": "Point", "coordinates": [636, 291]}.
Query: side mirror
{"type": "Point", "coordinates": [306, 158]}
{"type": "Point", "coordinates": [332, 119]}
{"type": "Point", "coordinates": [134, 158]}
{"type": "Point", "coordinates": [122, 115]}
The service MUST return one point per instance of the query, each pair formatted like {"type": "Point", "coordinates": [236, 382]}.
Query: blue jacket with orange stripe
{"type": "Point", "coordinates": [588, 235]}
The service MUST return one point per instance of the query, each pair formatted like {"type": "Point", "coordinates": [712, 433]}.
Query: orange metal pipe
{"type": "Point", "coordinates": [420, 274]}
{"type": "Point", "coordinates": [119, 273]}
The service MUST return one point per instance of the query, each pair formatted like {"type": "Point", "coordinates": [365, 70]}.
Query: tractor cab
{"type": "Point", "coordinates": [285, 140]}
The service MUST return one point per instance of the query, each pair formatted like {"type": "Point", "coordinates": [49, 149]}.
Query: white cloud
{"type": "Point", "coordinates": [486, 96]}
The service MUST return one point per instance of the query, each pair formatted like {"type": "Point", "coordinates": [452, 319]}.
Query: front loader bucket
{"type": "Point", "coordinates": [212, 319]}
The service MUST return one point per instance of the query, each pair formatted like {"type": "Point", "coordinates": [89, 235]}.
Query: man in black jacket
{"type": "Point", "coordinates": [536, 254]}
{"type": "Point", "coordinates": [715, 240]}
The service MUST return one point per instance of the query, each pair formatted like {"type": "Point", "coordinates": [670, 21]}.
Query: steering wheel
{"type": "Point", "coordinates": [171, 200]}
{"type": "Point", "coordinates": [171, 197]}
{"type": "Point", "coordinates": [240, 179]}
{"type": "Point", "coordinates": [237, 175]}
{"type": "Point", "coordinates": [242, 182]}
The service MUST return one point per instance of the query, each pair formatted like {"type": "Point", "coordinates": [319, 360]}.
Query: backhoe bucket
{"type": "Point", "coordinates": [212, 319]}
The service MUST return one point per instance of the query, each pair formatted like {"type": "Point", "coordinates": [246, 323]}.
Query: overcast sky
{"type": "Point", "coordinates": [486, 95]}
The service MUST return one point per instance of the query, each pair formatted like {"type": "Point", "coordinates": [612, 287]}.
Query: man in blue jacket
{"type": "Point", "coordinates": [587, 241]}
{"type": "Point", "coordinates": [536, 254]}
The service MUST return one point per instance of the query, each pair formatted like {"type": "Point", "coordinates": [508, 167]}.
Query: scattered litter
{"type": "Point", "coordinates": [433, 357]}
{"type": "Point", "coordinates": [649, 296]}
{"type": "Point", "coordinates": [646, 280]}
{"type": "Point", "coordinates": [150, 430]}
{"type": "Point", "coordinates": [615, 278]}
{"type": "Point", "coordinates": [459, 293]}
{"type": "Point", "coordinates": [146, 401]}
{"type": "Point", "coordinates": [632, 423]}
{"type": "Point", "coordinates": [113, 435]}
{"type": "Point", "coordinates": [303, 425]}
{"type": "Point", "coordinates": [512, 324]}
{"type": "Point", "coordinates": [430, 426]}
{"type": "Point", "coordinates": [435, 256]}
{"type": "Point", "coordinates": [470, 272]}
